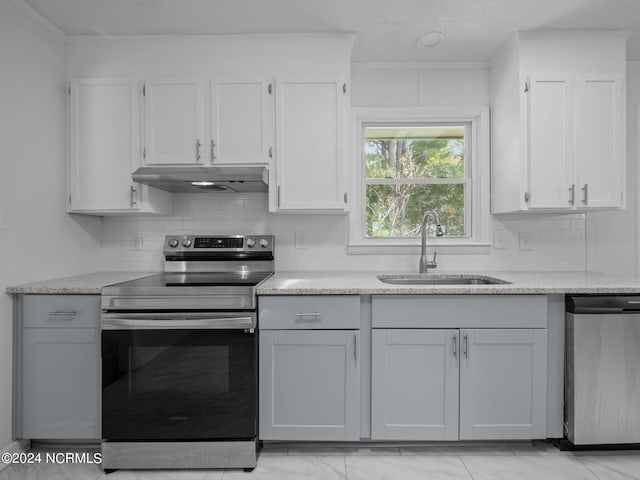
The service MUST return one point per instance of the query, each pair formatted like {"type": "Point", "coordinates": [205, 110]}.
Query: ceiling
{"type": "Point", "coordinates": [385, 30]}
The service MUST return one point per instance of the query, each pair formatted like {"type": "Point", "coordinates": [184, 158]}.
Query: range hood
{"type": "Point", "coordinates": [204, 179]}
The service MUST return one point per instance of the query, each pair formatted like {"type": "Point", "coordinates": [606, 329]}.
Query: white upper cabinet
{"type": "Point", "coordinates": [600, 140]}
{"type": "Point", "coordinates": [104, 150]}
{"type": "Point", "coordinates": [550, 123]}
{"type": "Point", "coordinates": [173, 122]}
{"type": "Point", "coordinates": [558, 123]}
{"type": "Point", "coordinates": [310, 157]}
{"type": "Point", "coordinates": [242, 122]}
{"type": "Point", "coordinates": [575, 141]}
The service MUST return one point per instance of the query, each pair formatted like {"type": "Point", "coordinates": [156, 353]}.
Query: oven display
{"type": "Point", "coordinates": [213, 242]}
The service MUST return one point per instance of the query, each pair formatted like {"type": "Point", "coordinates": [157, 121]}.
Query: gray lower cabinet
{"type": "Point", "coordinates": [309, 367]}
{"type": "Point", "coordinates": [503, 384]}
{"type": "Point", "coordinates": [58, 364]}
{"type": "Point", "coordinates": [469, 384]}
{"type": "Point", "coordinates": [309, 385]}
{"type": "Point", "coordinates": [414, 385]}
{"type": "Point", "coordinates": [455, 368]}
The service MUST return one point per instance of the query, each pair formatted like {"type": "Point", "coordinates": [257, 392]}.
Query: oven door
{"type": "Point", "coordinates": [178, 379]}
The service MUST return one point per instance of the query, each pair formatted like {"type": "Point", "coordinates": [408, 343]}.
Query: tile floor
{"type": "Point", "coordinates": [539, 461]}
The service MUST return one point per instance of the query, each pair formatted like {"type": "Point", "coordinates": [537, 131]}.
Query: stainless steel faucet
{"type": "Point", "coordinates": [425, 264]}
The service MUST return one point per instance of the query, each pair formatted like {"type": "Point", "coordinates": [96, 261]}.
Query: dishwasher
{"type": "Point", "coordinates": [602, 377]}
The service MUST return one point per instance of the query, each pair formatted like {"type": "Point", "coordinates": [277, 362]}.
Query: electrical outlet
{"type": "Point", "coordinates": [301, 239]}
{"type": "Point", "coordinates": [500, 240]}
{"type": "Point", "coordinates": [524, 239]}
{"type": "Point", "coordinates": [137, 241]}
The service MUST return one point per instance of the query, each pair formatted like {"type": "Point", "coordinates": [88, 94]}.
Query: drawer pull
{"type": "Point", "coordinates": [309, 317]}
{"type": "Point", "coordinates": [62, 314]}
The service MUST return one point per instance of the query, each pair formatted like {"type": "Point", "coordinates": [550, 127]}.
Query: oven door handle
{"type": "Point", "coordinates": [175, 321]}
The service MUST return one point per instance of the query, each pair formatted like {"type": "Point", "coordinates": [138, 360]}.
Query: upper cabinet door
{"type": "Point", "coordinates": [173, 122]}
{"type": "Point", "coordinates": [600, 140]}
{"type": "Point", "coordinates": [242, 122]}
{"type": "Point", "coordinates": [104, 145]}
{"type": "Point", "coordinates": [310, 130]}
{"type": "Point", "coordinates": [550, 142]}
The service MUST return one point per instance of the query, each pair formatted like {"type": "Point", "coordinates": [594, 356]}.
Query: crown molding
{"type": "Point", "coordinates": [22, 5]}
{"type": "Point", "coordinates": [419, 65]}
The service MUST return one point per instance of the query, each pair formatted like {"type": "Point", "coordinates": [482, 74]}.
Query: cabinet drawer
{"type": "Point", "coordinates": [459, 311]}
{"type": "Point", "coordinates": [69, 311]}
{"type": "Point", "coordinates": [309, 312]}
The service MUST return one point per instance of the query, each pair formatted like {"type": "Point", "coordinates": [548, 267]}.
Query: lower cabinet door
{"type": "Point", "coordinates": [309, 385]}
{"type": "Point", "coordinates": [503, 387]}
{"type": "Point", "coordinates": [414, 385]}
{"type": "Point", "coordinates": [61, 383]}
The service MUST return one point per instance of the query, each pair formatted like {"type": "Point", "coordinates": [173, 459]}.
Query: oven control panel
{"type": "Point", "coordinates": [218, 243]}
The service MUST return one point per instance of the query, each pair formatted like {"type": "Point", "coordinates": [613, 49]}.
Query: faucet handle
{"type": "Point", "coordinates": [432, 263]}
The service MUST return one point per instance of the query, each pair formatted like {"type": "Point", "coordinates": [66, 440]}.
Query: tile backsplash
{"type": "Point", "coordinates": [318, 242]}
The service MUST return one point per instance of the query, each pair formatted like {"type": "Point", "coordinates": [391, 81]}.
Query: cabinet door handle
{"type": "Point", "coordinates": [62, 314]}
{"type": "Point", "coordinates": [355, 348]}
{"type": "Point", "coordinates": [585, 189]}
{"type": "Point", "coordinates": [465, 345]}
{"type": "Point", "coordinates": [309, 317]}
{"type": "Point", "coordinates": [572, 189]}
{"type": "Point", "coordinates": [278, 201]}
{"type": "Point", "coordinates": [198, 150]}
{"type": "Point", "coordinates": [133, 200]}
{"type": "Point", "coordinates": [454, 344]}
{"type": "Point", "coordinates": [213, 151]}
{"type": "Point", "coordinates": [270, 152]}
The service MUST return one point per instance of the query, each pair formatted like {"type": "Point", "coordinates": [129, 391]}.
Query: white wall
{"type": "Point", "coordinates": [612, 237]}
{"type": "Point", "coordinates": [525, 241]}
{"type": "Point", "coordinates": [38, 240]}
{"type": "Point", "coordinates": [304, 242]}
{"type": "Point", "coordinates": [239, 55]}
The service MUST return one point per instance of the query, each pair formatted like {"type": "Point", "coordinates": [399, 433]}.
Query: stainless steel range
{"type": "Point", "coordinates": [179, 357]}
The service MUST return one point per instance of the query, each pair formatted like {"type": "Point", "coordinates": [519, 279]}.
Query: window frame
{"type": "Point", "coordinates": [477, 150]}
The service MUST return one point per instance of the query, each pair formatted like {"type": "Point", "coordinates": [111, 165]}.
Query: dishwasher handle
{"type": "Point", "coordinates": [599, 304]}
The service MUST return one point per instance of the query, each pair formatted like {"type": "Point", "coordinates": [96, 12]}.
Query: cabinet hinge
{"type": "Point", "coordinates": [270, 88]}
{"type": "Point", "coordinates": [527, 197]}
{"type": "Point", "coordinates": [526, 87]}
{"type": "Point", "coordinates": [344, 88]}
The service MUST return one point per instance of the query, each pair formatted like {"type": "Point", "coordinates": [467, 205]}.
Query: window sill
{"type": "Point", "coordinates": [462, 248]}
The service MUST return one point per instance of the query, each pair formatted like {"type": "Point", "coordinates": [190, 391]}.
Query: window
{"type": "Point", "coordinates": [411, 169]}
{"type": "Point", "coordinates": [411, 161]}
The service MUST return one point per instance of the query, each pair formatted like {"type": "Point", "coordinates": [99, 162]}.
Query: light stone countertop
{"type": "Point", "coordinates": [366, 283]}
{"type": "Point", "coordinates": [88, 284]}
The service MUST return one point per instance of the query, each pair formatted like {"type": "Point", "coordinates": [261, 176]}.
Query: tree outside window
{"type": "Point", "coordinates": [410, 169]}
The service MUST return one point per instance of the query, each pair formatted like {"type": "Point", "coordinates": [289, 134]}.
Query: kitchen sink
{"type": "Point", "coordinates": [441, 279]}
